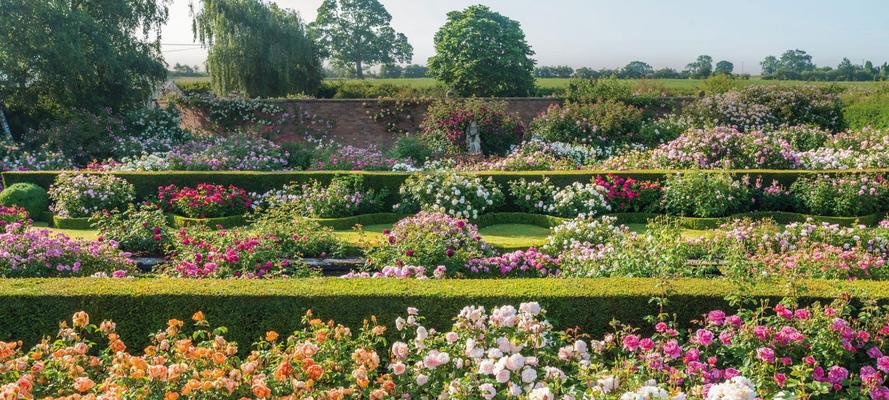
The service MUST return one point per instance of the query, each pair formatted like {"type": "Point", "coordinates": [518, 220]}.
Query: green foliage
{"type": "Point", "coordinates": [413, 148]}
{"type": "Point", "coordinates": [295, 235]}
{"type": "Point", "coordinates": [358, 33]}
{"type": "Point", "coordinates": [77, 195]}
{"type": "Point", "coordinates": [701, 194]}
{"type": "Point", "coordinates": [57, 56]}
{"type": "Point", "coordinates": [479, 52]}
{"type": "Point", "coordinates": [596, 90]}
{"type": "Point", "coordinates": [605, 123]}
{"type": "Point", "coordinates": [843, 196]}
{"type": "Point", "coordinates": [29, 196]}
{"type": "Point", "coordinates": [447, 122]}
{"type": "Point", "coordinates": [35, 306]}
{"type": "Point", "coordinates": [257, 49]}
{"type": "Point", "coordinates": [868, 109]}
{"type": "Point", "coordinates": [429, 240]}
{"type": "Point", "coordinates": [719, 83]}
{"type": "Point", "coordinates": [141, 229]}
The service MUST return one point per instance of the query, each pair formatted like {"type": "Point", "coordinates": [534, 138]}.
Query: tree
{"type": "Point", "coordinates": [637, 70]}
{"type": "Point", "coordinates": [666, 73]}
{"type": "Point", "coordinates": [414, 71]}
{"type": "Point", "coordinates": [701, 68]}
{"type": "Point", "coordinates": [391, 71]}
{"type": "Point", "coordinates": [480, 52]}
{"type": "Point", "coordinates": [770, 65]}
{"type": "Point", "coordinates": [358, 33]}
{"type": "Point", "coordinates": [724, 67]}
{"type": "Point", "coordinates": [58, 55]}
{"type": "Point", "coordinates": [257, 48]}
{"type": "Point", "coordinates": [796, 61]}
{"type": "Point", "coordinates": [586, 73]}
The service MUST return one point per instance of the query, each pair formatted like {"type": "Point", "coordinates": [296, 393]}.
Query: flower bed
{"type": "Point", "coordinates": [204, 201]}
{"type": "Point", "coordinates": [786, 350]}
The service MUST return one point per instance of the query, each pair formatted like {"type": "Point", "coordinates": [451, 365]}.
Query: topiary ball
{"type": "Point", "coordinates": [29, 196]}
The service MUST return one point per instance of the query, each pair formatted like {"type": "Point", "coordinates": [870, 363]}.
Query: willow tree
{"type": "Point", "coordinates": [58, 55]}
{"type": "Point", "coordinates": [359, 34]}
{"type": "Point", "coordinates": [256, 48]}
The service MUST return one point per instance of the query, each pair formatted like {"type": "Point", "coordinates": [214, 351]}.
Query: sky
{"type": "Point", "coordinates": [611, 33]}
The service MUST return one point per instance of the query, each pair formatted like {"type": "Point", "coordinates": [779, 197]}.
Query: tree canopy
{"type": "Point", "coordinates": [724, 67]}
{"type": "Point", "coordinates": [482, 53]}
{"type": "Point", "coordinates": [358, 33]}
{"type": "Point", "coordinates": [701, 68]}
{"type": "Point", "coordinates": [257, 48]}
{"type": "Point", "coordinates": [58, 55]}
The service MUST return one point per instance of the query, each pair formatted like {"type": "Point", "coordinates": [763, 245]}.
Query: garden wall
{"type": "Point", "coordinates": [364, 122]}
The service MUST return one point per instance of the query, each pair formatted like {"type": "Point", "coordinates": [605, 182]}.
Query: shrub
{"type": "Point", "coordinates": [78, 195]}
{"type": "Point", "coordinates": [351, 158]}
{"type": "Point", "coordinates": [702, 194]}
{"type": "Point", "coordinates": [579, 199]}
{"type": "Point", "coordinates": [604, 123]}
{"type": "Point", "coordinates": [295, 235]}
{"type": "Point", "coordinates": [43, 253]}
{"type": "Point", "coordinates": [238, 152]}
{"type": "Point", "coordinates": [763, 107]}
{"type": "Point", "coordinates": [14, 216]}
{"type": "Point", "coordinates": [724, 147]}
{"type": "Point", "coordinates": [630, 195]}
{"type": "Point", "coordinates": [29, 196]}
{"type": "Point", "coordinates": [521, 263]}
{"type": "Point", "coordinates": [83, 137]}
{"type": "Point", "coordinates": [204, 200]}
{"type": "Point", "coordinates": [413, 148]}
{"type": "Point", "coordinates": [449, 193]}
{"type": "Point", "coordinates": [841, 195]}
{"type": "Point", "coordinates": [429, 239]}
{"type": "Point", "coordinates": [532, 196]}
{"type": "Point", "coordinates": [774, 197]}
{"type": "Point", "coordinates": [140, 229]}
{"type": "Point", "coordinates": [446, 125]}
{"type": "Point", "coordinates": [239, 253]}
{"type": "Point", "coordinates": [345, 196]}
{"type": "Point", "coordinates": [584, 231]}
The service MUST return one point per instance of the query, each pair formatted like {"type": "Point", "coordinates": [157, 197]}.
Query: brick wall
{"type": "Point", "coordinates": [352, 121]}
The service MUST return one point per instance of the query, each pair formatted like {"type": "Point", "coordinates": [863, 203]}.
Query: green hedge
{"type": "Point", "coordinates": [146, 183]}
{"type": "Point", "coordinates": [347, 223]}
{"type": "Point", "coordinates": [31, 308]}
{"type": "Point", "coordinates": [71, 223]}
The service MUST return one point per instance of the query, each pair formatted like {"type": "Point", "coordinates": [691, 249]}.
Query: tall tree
{"type": "Point", "coordinates": [636, 70]}
{"type": "Point", "coordinates": [358, 33]}
{"type": "Point", "coordinates": [256, 48]}
{"type": "Point", "coordinates": [701, 68]}
{"type": "Point", "coordinates": [796, 61]}
{"type": "Point", "coordinates": [770, 65]}
{"type": "Point", "coordinates": [56, 55]}
{"type": "Point", "coordinates": [479, 52]}
{"type": "Point", "coordinates": [724, 67]}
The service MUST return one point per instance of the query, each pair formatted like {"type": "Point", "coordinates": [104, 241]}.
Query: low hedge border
{"type": "Point", "coordinates": [71, 223]}
{"type": "Point", "coordinates": [233, 221]}
{"type": "Point", "coordinates": [31, 308]}
{"type": "Point", "coordinates": [346, 223]}
{"type": "Point", "coordinates": [147, 182]}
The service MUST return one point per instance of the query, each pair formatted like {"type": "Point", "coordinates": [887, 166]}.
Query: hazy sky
{"type": "Point", "coordinates": [610, 33]}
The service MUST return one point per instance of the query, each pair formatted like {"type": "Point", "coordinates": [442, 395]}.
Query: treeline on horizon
{"type": "Point", "coordinates": [792, 65]}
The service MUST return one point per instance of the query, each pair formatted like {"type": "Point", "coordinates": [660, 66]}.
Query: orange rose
{"type": "Point", "coordinates": [83, 384]}
{"type": "Point", "coordinates": [271, 336]}
{"type": "Point", "coordinates": [314, 372]}
{"type": "Point", "coordinates": [260, 390]}
{"type": "Point", "coordinates": [81, 319]}
{"type": "Point", "coordinates": [198, 316]}
{"type": "Point", "coordinates": [171, 396]}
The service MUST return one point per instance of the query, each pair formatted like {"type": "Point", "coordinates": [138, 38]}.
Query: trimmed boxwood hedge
{"type": "Point", "coordinates": [71, 223]}
{"type": "Point", "coordinates": [225, 222]}
{"type": "Point", "coordinates": [146, 183]}
{"type": "Point", "coordinates": [31, 308]}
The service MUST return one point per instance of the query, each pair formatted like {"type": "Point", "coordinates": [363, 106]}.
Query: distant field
{"type": "Point", "coordinates": [678, 86]}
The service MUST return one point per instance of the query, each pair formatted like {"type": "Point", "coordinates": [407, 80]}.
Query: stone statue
{"type": "Point", "coordinates": [473, 140]}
